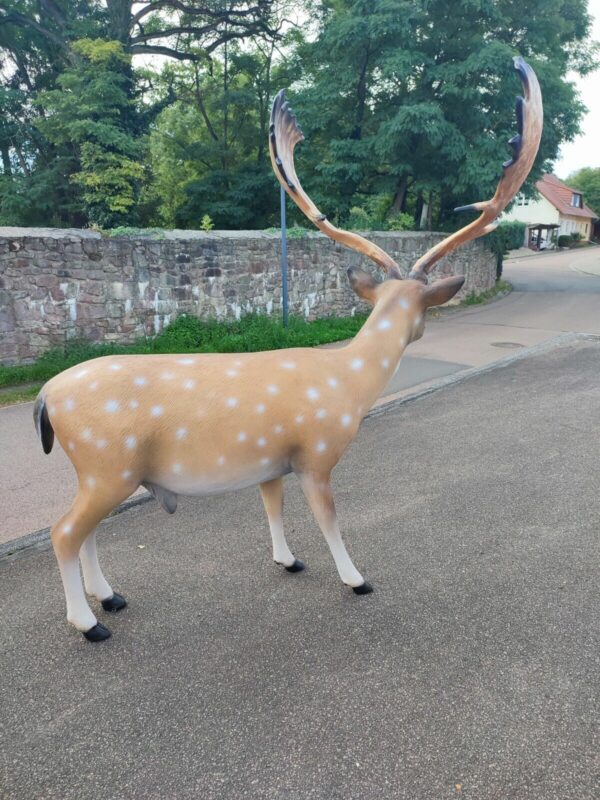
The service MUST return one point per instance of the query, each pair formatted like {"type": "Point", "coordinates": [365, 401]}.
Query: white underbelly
{"type": "Point", "coordinates": [219, 482]}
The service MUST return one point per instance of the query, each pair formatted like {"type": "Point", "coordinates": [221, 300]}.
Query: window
{"type": "Point", "coordinates": [576, 200]}
{"type": "Point", "coordinates": [522, 200]}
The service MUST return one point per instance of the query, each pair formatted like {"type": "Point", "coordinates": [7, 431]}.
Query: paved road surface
{"type": "Point", "coordinates": [475, 513]}
{"type": "Point", "coordinates": [551, 298]}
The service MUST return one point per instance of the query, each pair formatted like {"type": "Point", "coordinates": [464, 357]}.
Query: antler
{"type": "Point", "coordinates": [284, 135]}
{"type": "Point", "coordinates": [525, 144]}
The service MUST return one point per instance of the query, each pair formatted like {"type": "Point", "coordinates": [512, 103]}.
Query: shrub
{"type": "Point", "coordinates": [359, 219]}
{"type": "Point", "coordinates": [401, 222]}
{"type": "Point", "coordinates": [507, 236]}
{"type": "Point", "coordinates": [565, 240]}
{"type": "Point", "coordinates": [576, 236]}
{"type": "Point", "coordinates": [206, 223]}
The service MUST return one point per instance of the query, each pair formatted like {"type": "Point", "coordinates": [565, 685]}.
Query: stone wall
{"type": "Point", "coordinates": [58, 284]}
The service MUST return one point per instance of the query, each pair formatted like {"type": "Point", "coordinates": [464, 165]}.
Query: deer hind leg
{"type": "Point", "coordinates": [94, 581]}
{"type": "Point", "coordinates": [272, 497]}
{"type": "Point", "coordinates": [317, 490]}
{"type": "Point", "coordinates": [68, 536]}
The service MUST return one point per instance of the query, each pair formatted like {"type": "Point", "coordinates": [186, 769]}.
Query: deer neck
{"type": "Point", "coordinates": [375, 352]}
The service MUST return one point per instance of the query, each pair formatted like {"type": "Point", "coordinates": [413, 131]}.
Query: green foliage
{"type": "Point", "coordinates": [576, 236]}
{"type": "Point", "coordinates": [587, 180]}
{"type": "Point", "coordinates": [401, 222]}
{"type": "Point", "coordinates": [565, 240]}
{"type": "Point", "coordinates": [500, 288]}
{"type": "Point", "coordinates": [188, 334]}
{"type": "Point", "coordinates": [206, 223]}
{"type": "Point", "coordinates": [405, 106]}
{"type": "Point", "coordinates": [86, 116]}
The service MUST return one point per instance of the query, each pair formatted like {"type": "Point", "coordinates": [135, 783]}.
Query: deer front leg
{"type": "Point", "coordinates": [317, 490]}
{"type": "Point", "coordinates": [272, 497]}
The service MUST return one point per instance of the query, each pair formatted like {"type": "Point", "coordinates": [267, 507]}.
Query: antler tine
{"type": "Point", "coordinates": [284, 135]}
{"type": "Point", "coordinates": [524, 145]}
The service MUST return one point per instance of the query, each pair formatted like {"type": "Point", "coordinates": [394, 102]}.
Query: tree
{"type": "Point", "coordinates": [406, 100]}
{"type": "Point", "coordinates": [587, 180]}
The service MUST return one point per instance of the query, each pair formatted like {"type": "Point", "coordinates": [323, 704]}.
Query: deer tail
{"type": "Point", "coordinates": [43, 426]}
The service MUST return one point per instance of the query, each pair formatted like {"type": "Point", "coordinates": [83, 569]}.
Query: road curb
{"type": "Point", "coordinates": [39, 540]}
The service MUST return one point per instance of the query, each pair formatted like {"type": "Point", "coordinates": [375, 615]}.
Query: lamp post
{"type": "Point", "coordinates": [284, 261]}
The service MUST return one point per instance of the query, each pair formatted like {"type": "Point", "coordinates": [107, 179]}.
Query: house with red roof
{"type": "Point", "coordinates": [558, 209]}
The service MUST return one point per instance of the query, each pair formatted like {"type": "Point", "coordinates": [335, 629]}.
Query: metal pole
{"type": "Point", "coordinates": [284, 261]}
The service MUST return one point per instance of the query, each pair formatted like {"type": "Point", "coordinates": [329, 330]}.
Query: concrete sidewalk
{"type": "Point", "coordinates": [550, 298]}
{"type": "Point", "coordinates": [471, 672]}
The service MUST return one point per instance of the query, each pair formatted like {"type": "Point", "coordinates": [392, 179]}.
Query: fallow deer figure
{"type": "Point", "coordinates": [201, 424]}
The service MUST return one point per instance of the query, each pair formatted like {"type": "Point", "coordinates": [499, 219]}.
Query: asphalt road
{"type": "Point", "coordinates": [471, 672]}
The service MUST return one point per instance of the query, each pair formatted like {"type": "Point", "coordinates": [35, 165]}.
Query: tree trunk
{"type": "Point", "coordinates": [419, 209]}
{"type": "Point", "coordinates": [6, 165]}
{"type": "Point", "coordinates": [361, 95]}
{"type": "Point", "coordinates": [429, 210]}
{"type": "Point", "coordinates": [399, 203]}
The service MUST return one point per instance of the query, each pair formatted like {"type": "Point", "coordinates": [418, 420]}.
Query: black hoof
{"type": "Point", "coordinates": [297, 566]}
{"type": "Point", "coordinates": [114, 603]}
{"type": "Point", "coordinates": [366, 588]}
{"type": "Point", "coordinates": [98, 633]}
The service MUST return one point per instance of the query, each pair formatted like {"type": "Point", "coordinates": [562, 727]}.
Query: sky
{"type": "Point", "coordinates": [584, 151]}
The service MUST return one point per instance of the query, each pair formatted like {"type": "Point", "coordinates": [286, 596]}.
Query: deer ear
{"type": "Point", "coordinates": [363, 284]}
{"type": "Point", "coordinates": [441, 291]}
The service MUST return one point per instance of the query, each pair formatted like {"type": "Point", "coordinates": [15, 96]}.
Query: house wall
{"type": "Point", "coordinates": [59, 284]}
{"type": "Point", "coordinates": [539, 210]}
{"type": "Point", "coordinates": [582, 225]}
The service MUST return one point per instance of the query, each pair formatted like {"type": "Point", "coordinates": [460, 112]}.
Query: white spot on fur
{"type": "Point", "coordinates": [126, 475]}
{"type": "Point", "coordinates": [403, 303]}
{"type": "Point", "coordinates": [67, 527]}
{"type": "Point", "coordinates": [346, 420]}
{"type": "Point", "coordinates": [167, 376]}
{"type": "Point", "coordinates": [232, 373]}
{"type": "Point", "coordinates": [91, 481]}
{"type": "Point", "coordinates": [86, 434]}
{"type": "Point", "coordinates": [265, 461]}
{"type": "Point", "coordinates": [417, 321]}
{"type": "Point", "coordinates": [288, 364]}
{"type": "Point", "coordinates": [69, 404]}
{"type": "Point", "coordinates": [333, 382]}
{"type": "Point", "coordinates": [71, 445]}
{"type": "Point", "coordinates": [185, 361]}
{"type": "Point", "coordinates": [272, 389]}
{"type": "Point", "coordinates": [101, 444]}
{"type": "Point", "coordinates": [190, 383]}
{"type": "Point", "coordinates": [312, 393]}
{"type": "Point", "coordinates": [156, 411]}
{"type": "Point", "coordinates": [140, 381]}
{"type": "Point", "coordinates": [221, 460]}
{"type": "Point", "coordinates": [241, 437]}
{"type": "Point", "coordinates": [261, 442]}
{"type": "Point", "coordinates": [278, 428]}
{"type": "Point", "coordinates": [357, 363]}
{"type": "Point", "coordinates": [385, 362]}
{"type": "Point", "coordinates": [176, 468]}
{"type": "Point", "coordinates": [181, 433]}
{"type": "Point", "coordinates": [260, 408]}
{"type": "Point", "coordinates": [133, 404]}
{"type": "Point", "coordinates": [321, 414]}
{"type": "Point", "coordinates": [130, 442]}
{"type": "Point", "coordinates": [81, 373]}
{"type": "Point", "coordinates": [112, 406]}
{"type": "Point", "coordinates": [300, 419]}
{"type": "Point", "coordinates": [94, 386]}
{"type": "Point", "coordinates": [116, 367]}
{"type": "Point", "coordinates": [384, 325]}
{"type": "Point", "coordinates": [321, 446]}
{"type": "Point", "coordinates": [232, 402]}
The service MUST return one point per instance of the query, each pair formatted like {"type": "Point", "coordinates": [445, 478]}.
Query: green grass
{"type": "Point", "coordinates": [476, 299]}
{"type": "Point", "coordinates": [189, 335]}
{"type": "Point", "coordinates": [9, 397]}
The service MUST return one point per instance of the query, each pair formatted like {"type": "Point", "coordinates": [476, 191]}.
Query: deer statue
{"type": "Point", "coordinates": [207, 423]}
